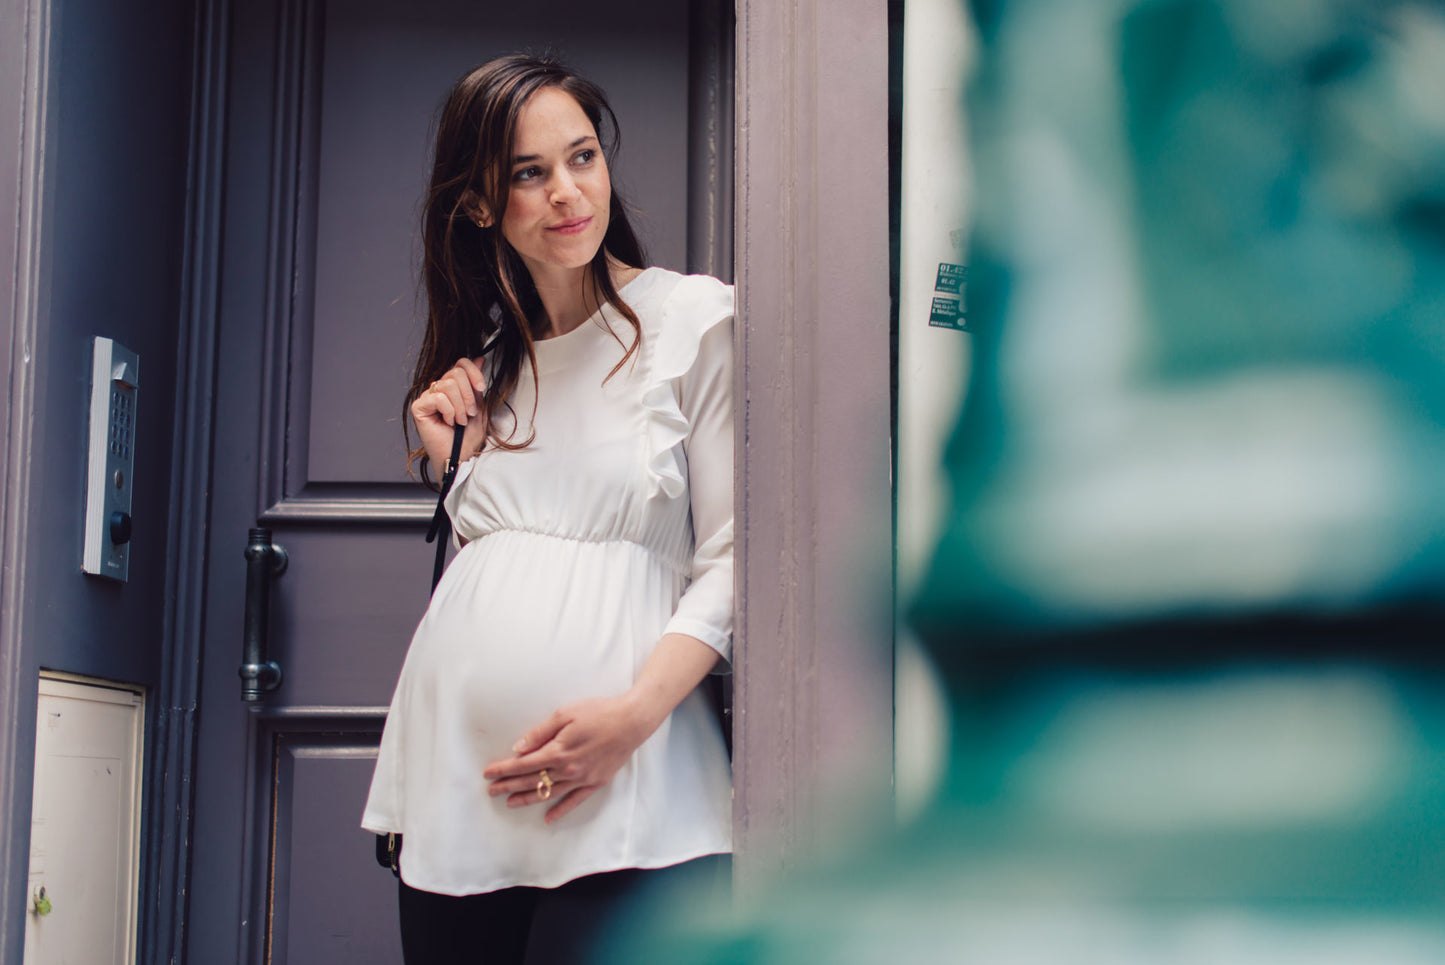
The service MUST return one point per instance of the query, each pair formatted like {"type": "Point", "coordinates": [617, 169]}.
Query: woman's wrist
{"type": "Point", "coordinates": [646, 707]}
{"type": "Point", "coordinates": [676, 667]}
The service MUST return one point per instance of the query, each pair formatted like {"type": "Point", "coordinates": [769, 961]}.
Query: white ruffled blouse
{"type": "Point", "coordinates": [579, 552]}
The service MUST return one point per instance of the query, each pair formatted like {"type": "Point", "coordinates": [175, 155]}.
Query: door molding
{"type": "Point", "coordinates": [26, 42]}
{"type": "Point", "coordinates": [814, 681]}
{"type": "Point", "coordinates": [170, 794]}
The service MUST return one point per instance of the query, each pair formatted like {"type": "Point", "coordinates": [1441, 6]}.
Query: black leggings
{"type": "Point", "coordinates": [542, 926]}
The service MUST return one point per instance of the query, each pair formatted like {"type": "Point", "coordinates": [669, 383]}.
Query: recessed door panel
{"type": "Point", "coordinates": [315, 853]}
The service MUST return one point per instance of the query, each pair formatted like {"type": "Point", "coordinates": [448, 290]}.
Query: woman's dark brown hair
{"type": "Point", "coordinates": [476, 284]}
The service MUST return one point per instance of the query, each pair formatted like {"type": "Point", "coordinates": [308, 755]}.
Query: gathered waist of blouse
{"type": "Point", "coordinates": [681, 566]}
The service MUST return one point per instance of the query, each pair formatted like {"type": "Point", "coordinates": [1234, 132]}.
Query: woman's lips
{"type": "Point", "coordinates": [571, 227]}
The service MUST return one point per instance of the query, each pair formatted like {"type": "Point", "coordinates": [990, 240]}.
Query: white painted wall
{"type": "Point", "coordinates": [85, 824]}
{"type": "Point", "coordinates": [932, 361]}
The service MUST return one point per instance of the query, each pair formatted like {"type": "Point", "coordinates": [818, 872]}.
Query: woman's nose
{"type": "Point", "coordinates": [564, 189]}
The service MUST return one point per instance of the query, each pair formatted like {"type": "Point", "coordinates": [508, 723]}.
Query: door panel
{"type": "Point", "coordinates": [319, 767]}
{"type": "Point", "coordinates": [330, 106]}
{"type": "Point", "coordinates": [344, 610]}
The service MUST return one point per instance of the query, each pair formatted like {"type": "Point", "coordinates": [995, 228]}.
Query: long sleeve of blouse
{"type": "Point", "coordinates": [704, 394]}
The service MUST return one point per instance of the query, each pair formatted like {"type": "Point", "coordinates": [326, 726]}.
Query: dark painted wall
{"type": "Point", "coordinates": [115, 199]}
{"type": "Point", "coordinates": [113, 186]}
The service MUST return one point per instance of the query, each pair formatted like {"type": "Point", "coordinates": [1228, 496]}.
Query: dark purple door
{"type": "Point", "coordinates": [329, 106]}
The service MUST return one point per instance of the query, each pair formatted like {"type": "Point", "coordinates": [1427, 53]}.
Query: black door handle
{"type": "Point", "coordinates": [264, 560]}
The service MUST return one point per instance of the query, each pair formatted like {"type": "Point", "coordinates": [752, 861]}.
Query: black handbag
{"type": "Point", "coordinates": [388, 846]}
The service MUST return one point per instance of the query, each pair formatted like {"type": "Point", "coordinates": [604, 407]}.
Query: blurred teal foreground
{"type": "Point", "coordinates": [1190, 599]}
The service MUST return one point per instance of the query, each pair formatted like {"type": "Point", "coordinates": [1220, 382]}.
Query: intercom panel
{"type": "Point", "coordinates": [115, 376]}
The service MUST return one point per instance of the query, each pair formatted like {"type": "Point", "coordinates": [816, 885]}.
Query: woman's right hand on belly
{"type": "Point", "coordinates": [453, 399]}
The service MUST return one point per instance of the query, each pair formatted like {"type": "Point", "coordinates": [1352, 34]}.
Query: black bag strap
{"type": "Point", "coordinates": [440, 520]}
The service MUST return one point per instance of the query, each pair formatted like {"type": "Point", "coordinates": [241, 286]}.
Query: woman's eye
{"type": "Point", "coordinates": [526, 174]}
{"type": "Point", "coordinates": [584, 157]}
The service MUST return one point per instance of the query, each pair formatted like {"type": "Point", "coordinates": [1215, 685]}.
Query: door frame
{"type": "Point", "coordinates": [813, 701]}
{"type": "Point", "coordinates": [28, 83]}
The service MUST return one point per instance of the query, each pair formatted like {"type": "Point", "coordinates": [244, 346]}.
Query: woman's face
{"type": "Point", "coordinates": [560, 192]}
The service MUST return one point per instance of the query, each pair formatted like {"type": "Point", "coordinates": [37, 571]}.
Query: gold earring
{"type": "Point", "coordinates": [481, 223]}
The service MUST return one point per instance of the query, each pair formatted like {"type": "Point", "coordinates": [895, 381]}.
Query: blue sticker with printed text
{"type": "Point", "coordinates": [948, 313]}
{"type": "Point", "coordinates": [951, 278]}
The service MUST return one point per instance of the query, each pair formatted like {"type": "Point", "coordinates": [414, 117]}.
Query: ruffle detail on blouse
{"type": "Point", "coordinates": [696, 304]}
{"type": "Point", "coordinates": [463, 471]}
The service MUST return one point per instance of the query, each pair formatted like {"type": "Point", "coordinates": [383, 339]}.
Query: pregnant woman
{"type": "Point", "coordinates": [548, 751]}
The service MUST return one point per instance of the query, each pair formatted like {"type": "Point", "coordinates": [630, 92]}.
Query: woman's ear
{"type": "Point", "coordinates": [476, 209]}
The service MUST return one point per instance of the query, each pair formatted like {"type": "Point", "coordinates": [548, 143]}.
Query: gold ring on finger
{"type": "Point", "coordinates": [544, 785]}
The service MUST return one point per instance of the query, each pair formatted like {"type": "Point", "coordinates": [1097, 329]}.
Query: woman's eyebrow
{"type": "Point", "coordinates": [529, 158]}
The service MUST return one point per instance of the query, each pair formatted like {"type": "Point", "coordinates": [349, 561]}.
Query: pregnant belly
{"type": "Point", "coordinates": [523, 624]}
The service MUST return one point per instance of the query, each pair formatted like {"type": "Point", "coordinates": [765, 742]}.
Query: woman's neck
{"type": "Point", "coordinates": [567, 296]}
